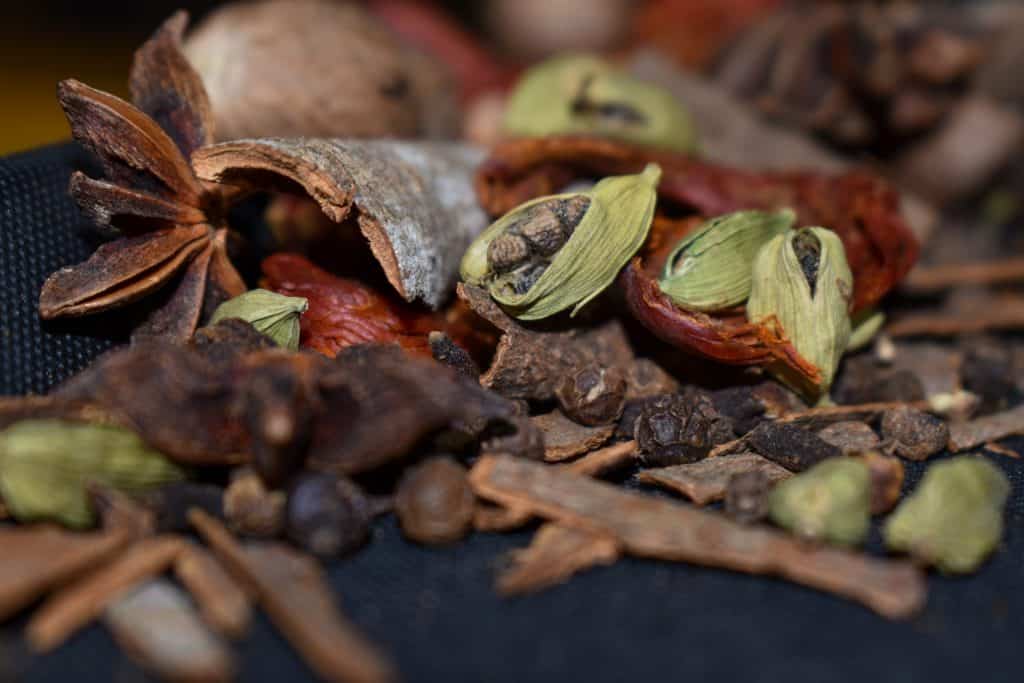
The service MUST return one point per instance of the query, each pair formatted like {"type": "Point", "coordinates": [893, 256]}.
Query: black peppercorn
{"type": "Point", "coordinates": [746, 497]}
{"type": "Point", "coordinates": [680, 428]}
{"type": "Point", "coordinates": [434, 503]}
{"type": "Point", "coordinates": [794, 448]}
{"type": "Point", "coordinates": [913, 434]}
{"type": "Point", "coordinates": [328, 515]}
{"type": "Point", "coordinates": [592, 395]}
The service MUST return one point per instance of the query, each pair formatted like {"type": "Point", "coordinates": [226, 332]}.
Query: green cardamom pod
{"type": "Point", "coordinates": [561, 251]}
{"type": "Point", "coordinates": [954, 520]}
{"type": "Point", "coordinates": [831, 502]}
{"type": "Point", "coordinates": [585, 94]}
{"type": "Point", "coordinates": [802, 282]}
{"type": "Point", "coordinates": [275, 315]}
{"type": "Point", "coordinates": [46, 465]}
{"type": "Point", "coordinates": [711, 269]}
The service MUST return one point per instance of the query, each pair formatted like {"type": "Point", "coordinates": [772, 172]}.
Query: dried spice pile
{"type": "Point", "coordinates": [647, 353]}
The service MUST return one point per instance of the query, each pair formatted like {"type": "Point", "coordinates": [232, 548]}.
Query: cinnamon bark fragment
{"type": "Point", "coordinates": [1001, 313]}
{"type": "Point", "coordinates": [293, 590]}
{"type": "Point", "coordinates": [967, 435]}
{"type": "Point", "coordinates": [37, 558]}
{"type": "Point", "coordinates": [708, 480]}
{"type": "Point", "coordinates": [500, 518]}
{"type": "Point", "coordinates": [413, 202]}
{"type": "Point", "coordinates": [119, 512]}
{"type": "Point", "coordinates": [935, 278]}
{"type": "Point", "coordinates": [72, 608]}
{"type": "Point", "coordinates": [565, 439]}
{"type": "Point", "coordinates": [222, 603]}
{"type": "Point", "coordinates": [604, 460]}
{"type": "Point", "coordinates": [158, 627]}
{"type": "Point", "coordinates": [553, 556]}
{"type": "Point", "coordinates": [660, 529]}
{"type": "Point", "coordinates": [530, 363]}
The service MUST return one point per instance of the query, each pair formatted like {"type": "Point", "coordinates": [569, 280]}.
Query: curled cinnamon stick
{"type": "Point", "coordinates": [661, 529]}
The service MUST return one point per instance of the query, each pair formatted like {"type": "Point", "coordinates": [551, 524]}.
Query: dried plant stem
{"type": "Point", "coordinates": [292, 589]}
{"type": "Point", "coordinates": [74, 607]}
{"type": "Point", "coordinates": [967, 435]}
{"type": "Point", "coordinates": [1005, 314]}
{"type": "Point", "coordinates": [959, 274]}
{"type": "Point", "coordinates": [661, 529]}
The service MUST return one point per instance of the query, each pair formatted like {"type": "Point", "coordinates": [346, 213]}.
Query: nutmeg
{"type": "Point", "coordinates": [291, 68]}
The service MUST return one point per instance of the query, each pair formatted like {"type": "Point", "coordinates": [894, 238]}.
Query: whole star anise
{"type": "Point", "coordinates": [172, 225]}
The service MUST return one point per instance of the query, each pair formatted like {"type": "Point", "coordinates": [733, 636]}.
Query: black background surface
{"type": "Point", "coordinates": [435, 610]}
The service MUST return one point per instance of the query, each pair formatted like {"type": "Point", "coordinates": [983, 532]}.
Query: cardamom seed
{"type": "Point", "coordinates": [803, 285]}
{"type": "Point", "coordinates": [831, 502]}
{"type": "Point", "coordinates": [954, 520]}
{"type": "Point", "coordinates": [584, 94]}
{"type": "Point", "coordinates": [275, 315]}
{"type": "Point", "coordinates": [45, 466]}
{"type": "Point", "coordinates": [711, 269]}
{"type": "Point", "coordinates": [561, 251]}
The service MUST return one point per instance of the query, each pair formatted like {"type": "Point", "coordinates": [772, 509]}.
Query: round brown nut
{"type": "Point", "coordinates": [434, 503]}
{"type": "Point", "coordinates": [593, 395]}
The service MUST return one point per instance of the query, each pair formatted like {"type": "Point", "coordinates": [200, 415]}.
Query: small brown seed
{"type": "Point", "coordinates": [746, 498]}
{"type": "Point", "coordinates": [545, 232]}
{"type": "Point", "coordinates": [680, 428]}
{"type": "Point", "coordinates": [435, 504]}
{"type": "Point", "coordinates": [794, 448]}
{"type": "Point", "coordinates": [252, 510]}
{"type": "Point", "coordinates": [327, 515]}
{"type": "Point", "coordinates": [507, 252]}
{"type": "Point", "coordinates": [913, 434]}
{"type": "Point", "coordinates": [593, 395]}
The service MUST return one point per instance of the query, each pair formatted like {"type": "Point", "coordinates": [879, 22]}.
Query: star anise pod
{"type": "Point", "coordinates": [172, 225]}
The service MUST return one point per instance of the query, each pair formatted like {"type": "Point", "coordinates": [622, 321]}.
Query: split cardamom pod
{"type": "Point", "coordinates": [803, 284]}
{"type": "Point", "coordinates": [711, 269]}
{"type": "Point", "coordinates": [272, 314]}
{"type": "Point", "coordinates": [46, 465]}
{"type": "Point", "coordinates": [831, 502]}
{"type": "Point", "coordinates": [954, 520]}
{"type": "Point", "coordinates": [584, 94]}
{"type": "Point", "coordinates": [561, 251]}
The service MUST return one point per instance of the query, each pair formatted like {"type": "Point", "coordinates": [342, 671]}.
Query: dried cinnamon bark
{"type": "Point", "coordinates": [530, 363]}
{"type": "Point", "coordinates": [967, 435]}
{"type": "Point", "coordinates": [414, 202]}
{"type": "Point", "coordinates": [708, 480]}
{"type": "Point", "coordinates": [159, 628]}
{"type": "Point", "coordinates": [660, 529]}
{"type": "Point", "coordinates": [67, 611]}
{"type": "Point", "coordinates": [565, 439]}
{"type": "Point", "coordinates": [604, 460]}
{"type": "Point", "coordinates": [292, 588]}
{"type": "Point", "coordinates": [222, 603]}
{"type": "Point", "coordinates": [36, 558]}
{"type": "Point", "coordinates": [553, 556]}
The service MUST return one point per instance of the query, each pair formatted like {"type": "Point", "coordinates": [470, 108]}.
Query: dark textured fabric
{"type": "Point", "coordinates": [436, 612]}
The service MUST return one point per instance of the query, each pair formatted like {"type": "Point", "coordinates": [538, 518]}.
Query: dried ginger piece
{"type": "Point", "coordinates": [661, 529]}
{"type": "Point", "coordinates": [553, 556]}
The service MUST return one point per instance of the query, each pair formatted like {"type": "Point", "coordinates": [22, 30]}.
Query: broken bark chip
{"type": "Point", "coordinates": [746, 496]}
{"type": "Point", "coordinates": [383, 184]}
{"type": "Point", "coordinates": [553, 556]}
{"type": "Point", "coordinates": [913, 434]}
{"type": "Point", "coordinates": [565, 439]}
{"type": "Point", "coordinates": [660, 529]}
{"type": "Point", "coordinates": [968, 435]}
{"type": "Point", "coordinates": [794, 448]}
{"type": "Point", "coordinates": [709, 480]}
{"type": "Point", "coordinates": [222, 603]}
{"type": "Point", "coordinates": [850, 437]}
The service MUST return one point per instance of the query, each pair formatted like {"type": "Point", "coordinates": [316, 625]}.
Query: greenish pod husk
{"type": "Point", "coordinates": [712, 268]}
{"type": "Point", "coordinates": [865, 325]}
{"type": "Point", "coordinates": [584, 94]}
{"type": "Point", "coordinates": [46, 465]}
{"type": "Point", "coordinates": [831, 502]}
{"type": "Point", "coordinates": [954, 520]}
{"type": "Point", "coordinates": [610, 233]}
{"type": "Point", "coordinates": [275, 315]}
{"type": "Point", "coordinates": [817, 325]}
